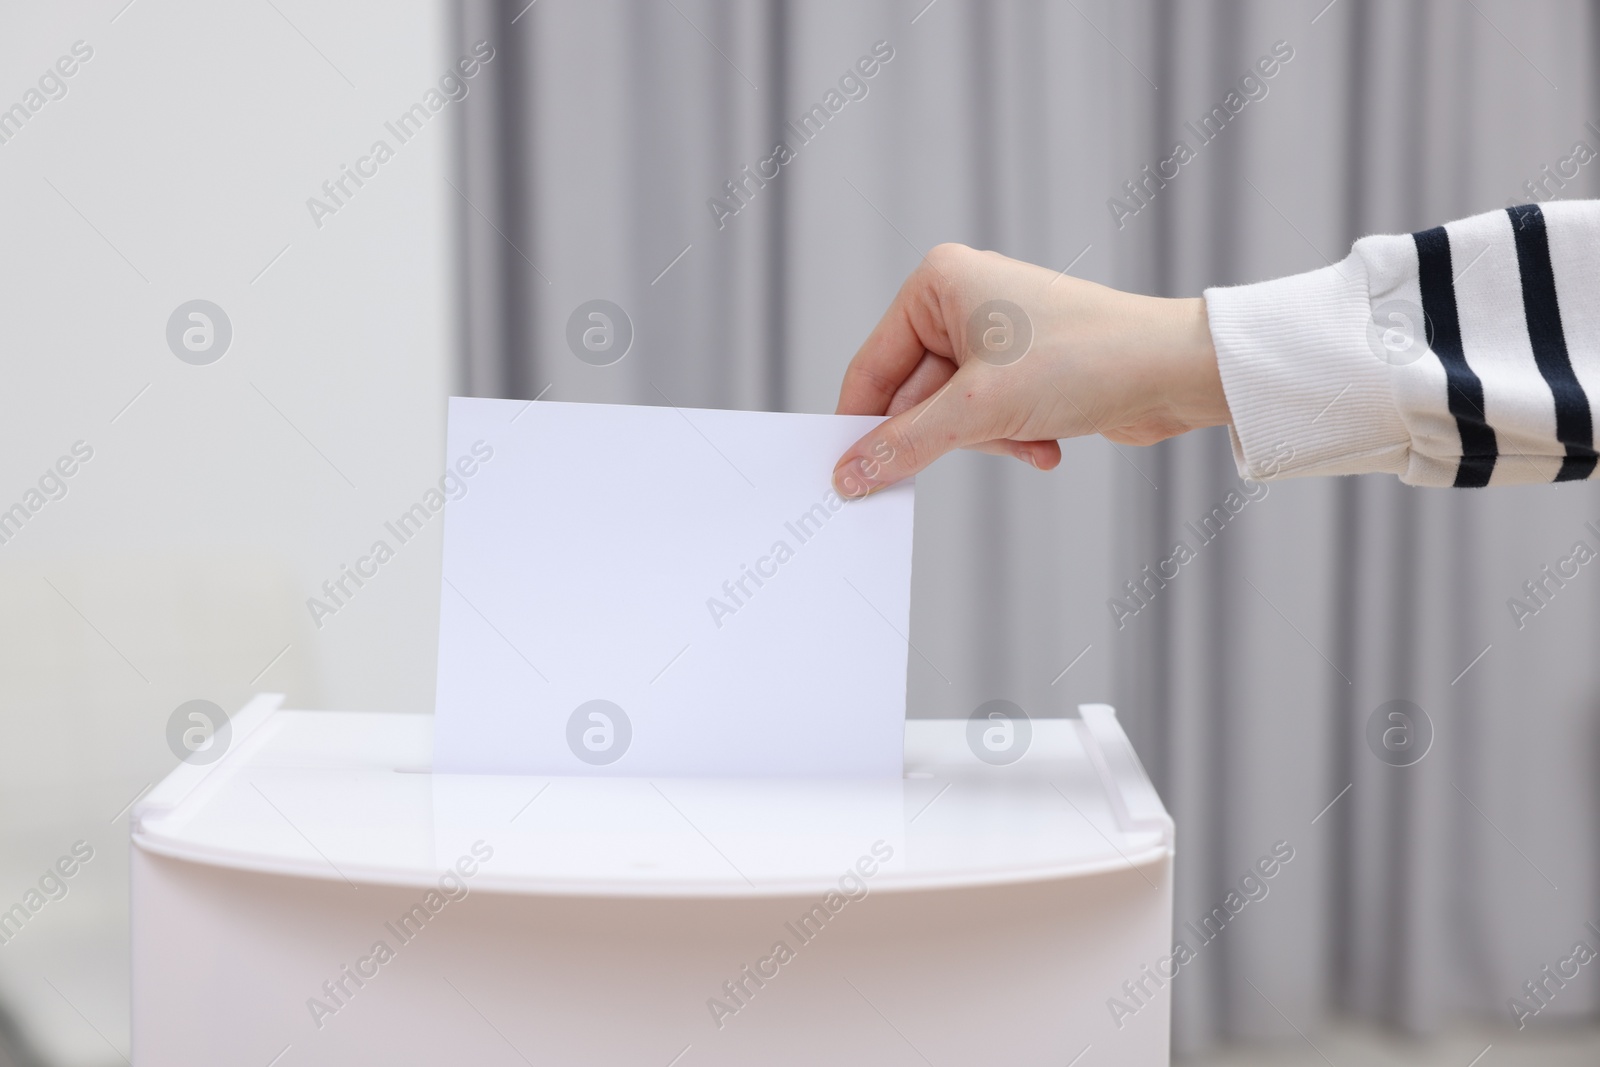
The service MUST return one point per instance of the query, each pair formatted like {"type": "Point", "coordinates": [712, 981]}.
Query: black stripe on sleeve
{"type": "Point", "coordinates": [1463, 389]}
{"type": "Point", "coordinates": [1574, 427]}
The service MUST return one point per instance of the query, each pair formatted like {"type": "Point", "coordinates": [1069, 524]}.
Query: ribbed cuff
{"type": "Point", "coordinates": [1308, 392]}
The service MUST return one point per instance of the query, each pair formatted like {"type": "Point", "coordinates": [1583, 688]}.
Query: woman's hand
{"type": "Point", "coordinates": [981, 351]}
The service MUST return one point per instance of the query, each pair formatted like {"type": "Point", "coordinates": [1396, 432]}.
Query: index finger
{"type": "Point", "coordinates": [911, 327]}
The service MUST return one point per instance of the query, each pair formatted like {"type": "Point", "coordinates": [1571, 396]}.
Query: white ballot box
{"type": "Point", "coordinates": [317, 896]}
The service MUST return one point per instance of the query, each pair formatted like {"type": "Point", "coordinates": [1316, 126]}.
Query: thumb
{"type": "Point", "coordinates": [901, 446]}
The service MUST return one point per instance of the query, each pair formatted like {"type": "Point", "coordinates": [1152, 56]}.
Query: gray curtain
{"type": "Point", "coordinates": [1424, 893]}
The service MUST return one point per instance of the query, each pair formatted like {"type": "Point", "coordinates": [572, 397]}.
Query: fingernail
{"type": "Point", "coordinates": [850, 480]}
{"type": "Point", "coordinates": [1032, 459]}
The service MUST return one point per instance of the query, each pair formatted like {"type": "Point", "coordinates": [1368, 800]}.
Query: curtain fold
{"type": "Point", "coordinates": [592, 162]}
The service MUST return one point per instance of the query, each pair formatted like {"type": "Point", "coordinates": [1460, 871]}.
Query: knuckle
{"type": "Point", "coordinates": [948, 257]}
{"type": "Point", "coordinates": [950, 249]}
{"type": "Point", "coordinates": [876, 380]}
{"type": "Point", "coordinates": [896, 451]}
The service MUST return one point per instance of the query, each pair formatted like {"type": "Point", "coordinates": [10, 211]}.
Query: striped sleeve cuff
{"type": "Point", "coordinates": [1307, 392]}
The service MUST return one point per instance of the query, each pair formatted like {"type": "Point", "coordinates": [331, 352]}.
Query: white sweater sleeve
{"type": "Point", "coordinates": [1464, 355]}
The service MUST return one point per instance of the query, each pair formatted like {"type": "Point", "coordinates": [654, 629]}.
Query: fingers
{"type": "Point", "coordinates": [907, 442]}
{"type": "Point", "coordinates": [1043, 455]}
{"type": "Point", "coordinates": [931, 375]}
{"type": "Point", "coordinates": [895, 350]}
{"type": "Point", "coordinates": [936, 398]}
{"type": "Point", "coordinates": [904, 444]}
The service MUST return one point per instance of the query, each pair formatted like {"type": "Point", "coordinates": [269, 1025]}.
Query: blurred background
{"type": "Point", "coordinates": [205, 152]}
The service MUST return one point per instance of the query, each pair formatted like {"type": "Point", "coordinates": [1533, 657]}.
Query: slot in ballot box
{"type": "Point", "coordinates": [316, 896]}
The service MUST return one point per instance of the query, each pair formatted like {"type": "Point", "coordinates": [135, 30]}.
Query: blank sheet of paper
{"type": "Point", "coordinates": [656, 591]}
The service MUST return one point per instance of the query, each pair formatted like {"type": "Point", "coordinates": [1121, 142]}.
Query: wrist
{"type": "Point", "coordinates": [1185, 366]}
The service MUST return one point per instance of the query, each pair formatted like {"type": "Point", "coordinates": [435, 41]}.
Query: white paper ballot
{"type": "Point", "coordinates": [656, 591]}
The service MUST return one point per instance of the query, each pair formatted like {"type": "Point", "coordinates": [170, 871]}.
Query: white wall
{"type": "Point", "coordinates": [177, 166]}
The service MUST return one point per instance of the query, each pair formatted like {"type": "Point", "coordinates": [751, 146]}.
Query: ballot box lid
{"type": "Point", "coordinates": [349, 796]}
